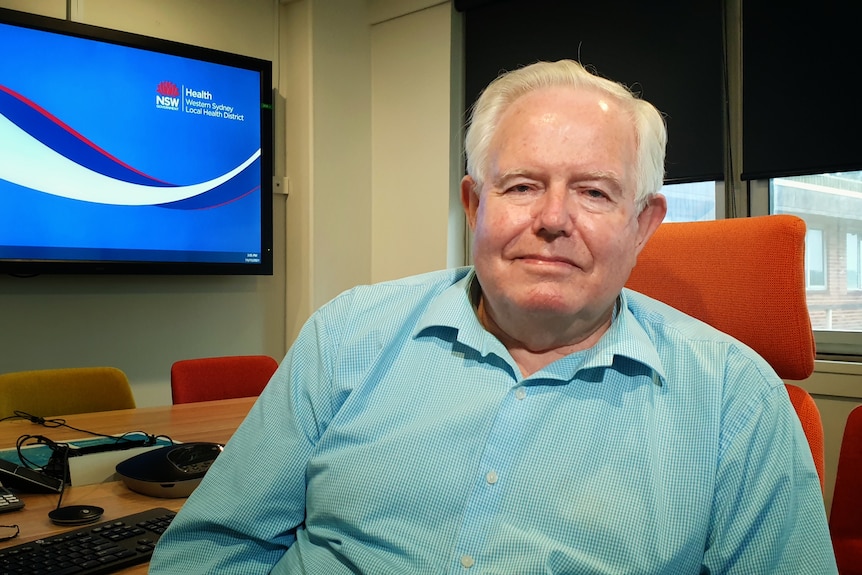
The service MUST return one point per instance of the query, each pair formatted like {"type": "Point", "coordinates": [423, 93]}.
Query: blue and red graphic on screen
{"type": "Point", "coordinates": [92, 159]}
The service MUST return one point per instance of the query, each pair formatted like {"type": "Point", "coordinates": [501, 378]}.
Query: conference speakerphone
{"type": "Point", "coordinates": [172, 471]}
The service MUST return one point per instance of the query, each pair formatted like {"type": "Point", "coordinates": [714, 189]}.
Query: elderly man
{"type": "Point", "coordinates": [528, 415]}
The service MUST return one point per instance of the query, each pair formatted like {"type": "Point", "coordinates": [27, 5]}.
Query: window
{"type": "Point", "coordinates": [691, 202]}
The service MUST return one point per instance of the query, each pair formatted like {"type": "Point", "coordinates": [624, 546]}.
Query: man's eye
{"type": "Point", "coordinates": [520, 188]}
{"type": "Point", "coordinates": [597, 194]}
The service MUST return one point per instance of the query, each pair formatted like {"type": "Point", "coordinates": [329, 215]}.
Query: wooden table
{"type": "Point", "coordinates": [213, 421]}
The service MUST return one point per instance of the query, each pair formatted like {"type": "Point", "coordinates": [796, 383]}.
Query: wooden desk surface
{"type": "Point", "coordinates": [205, 421]}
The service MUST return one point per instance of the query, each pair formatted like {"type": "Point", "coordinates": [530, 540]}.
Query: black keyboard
{"type": "Point", "coordinates": [90, 550]}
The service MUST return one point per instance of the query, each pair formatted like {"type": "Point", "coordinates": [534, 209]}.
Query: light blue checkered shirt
{"type": "Point", "coordinates": [399, 437]}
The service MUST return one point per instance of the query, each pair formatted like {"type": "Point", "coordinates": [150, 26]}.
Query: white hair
{"type": "Point", "coordinates": [650, 130]}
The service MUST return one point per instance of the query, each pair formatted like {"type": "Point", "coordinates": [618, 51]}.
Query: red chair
{"type": "Point", "coordinates": [845, 520]}
{"type": "Point", "coordinates": [745, 277]}
{"type": "Point", "coordinates": [210, 378]}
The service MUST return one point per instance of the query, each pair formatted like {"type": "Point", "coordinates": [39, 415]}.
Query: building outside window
{"type": "Point", "coordinates": [831, 205]}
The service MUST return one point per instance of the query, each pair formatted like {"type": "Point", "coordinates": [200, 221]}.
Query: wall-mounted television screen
{"type": "Point", "coordinates": [121, 153]}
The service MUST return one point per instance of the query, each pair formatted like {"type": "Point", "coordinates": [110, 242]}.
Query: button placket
{"type": "Point", "coordinates": [500, 452]}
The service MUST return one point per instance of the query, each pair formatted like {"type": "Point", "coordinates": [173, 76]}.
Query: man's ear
{"type": "Point", "coordinates": [650, 218]}
{"type": "Point", "coordinates": [470, 199]}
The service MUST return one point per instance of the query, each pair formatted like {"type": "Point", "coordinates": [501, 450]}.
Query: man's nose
{"type": "Point", "coordinates": [555, 212]}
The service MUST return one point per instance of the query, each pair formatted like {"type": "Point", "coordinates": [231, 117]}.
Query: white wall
{"type": "Point", "coordinates": [416, 111]}
{"type": "Point", "coordinates": [372, 144]}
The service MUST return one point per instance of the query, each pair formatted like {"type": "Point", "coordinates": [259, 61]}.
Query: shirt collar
{"type": "Point", "coordinates": [626, 338]}
{"type": "Point", "coordinates": [452, 316]}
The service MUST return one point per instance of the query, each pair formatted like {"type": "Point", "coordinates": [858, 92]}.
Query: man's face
{"type": "Point", "coordinates": [556, 231]}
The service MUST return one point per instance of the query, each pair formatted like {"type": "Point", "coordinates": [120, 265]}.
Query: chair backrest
{"type": "Point", "coordinates": [210, 378]}
{"type": "Point", "coordinates": [845, 518]}
{"type": "Point", "coordinates": [745, 277]}
{"type": "Point", "coordinates": [65, 391]}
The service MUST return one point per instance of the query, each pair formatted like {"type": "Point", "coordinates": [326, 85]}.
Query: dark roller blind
{"type": "Point", "coordinates": [802, 92]}
{"type": "Point", "coordinates": [670, 51]}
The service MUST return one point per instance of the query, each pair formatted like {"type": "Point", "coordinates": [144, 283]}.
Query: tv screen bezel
{"type": "Point", "coordinates": [28, 267]}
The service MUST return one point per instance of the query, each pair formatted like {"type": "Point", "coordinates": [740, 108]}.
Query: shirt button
{"type": "Point", "coordinates": [520, 393]}
{"type": "Point", "coordinates": [467, 561]}
{"type": "Point", "coordinates": [491, 477]}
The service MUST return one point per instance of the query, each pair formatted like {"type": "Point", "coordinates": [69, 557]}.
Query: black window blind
{"type": "Point", "coordinates": [670, 51]}
{"type": "Point", "coordinates": [802, 92]}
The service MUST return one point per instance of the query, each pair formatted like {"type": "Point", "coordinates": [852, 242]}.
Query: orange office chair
{"type": "Point", "coordinates": [209, 378]}
{"type": "Point", "coordinates": [64, 391]}
{"type": "Point", "coordinates": [745, 277]}
{"type": "Point", "coordinates": [845, 519]}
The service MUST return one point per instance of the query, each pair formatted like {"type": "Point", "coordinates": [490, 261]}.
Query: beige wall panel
{"type": "Point", "coordinates": [411, 142]}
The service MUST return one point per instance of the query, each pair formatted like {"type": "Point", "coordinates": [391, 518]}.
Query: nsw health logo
{"type": "Point", "coordinates": [167, 96]}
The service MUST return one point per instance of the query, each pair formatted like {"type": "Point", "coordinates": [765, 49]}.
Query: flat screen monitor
{"type": "Point", "coordinates": [121, 153]}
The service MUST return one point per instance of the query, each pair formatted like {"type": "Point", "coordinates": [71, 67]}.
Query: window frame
{"type": "Point", "coordinates": [857, 270]}
{"type": "Point", "coordinates": [809, 285]}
